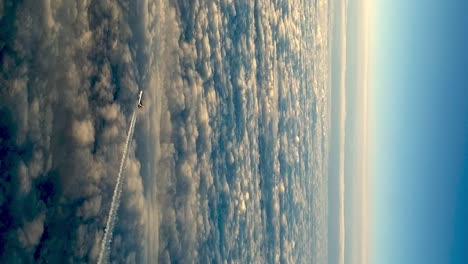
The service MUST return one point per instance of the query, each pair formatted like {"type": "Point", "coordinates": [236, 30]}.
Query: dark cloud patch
{"type": "Point", "coordinates": [69, 81]}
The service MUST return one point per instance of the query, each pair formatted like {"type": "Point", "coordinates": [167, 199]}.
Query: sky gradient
{"type": "Point", "coordinates": [420, 123]}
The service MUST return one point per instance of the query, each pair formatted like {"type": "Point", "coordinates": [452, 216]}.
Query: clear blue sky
{"type": "Point", "coordinates": [420, 104]}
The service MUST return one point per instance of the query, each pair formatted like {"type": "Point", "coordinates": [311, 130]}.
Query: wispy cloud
{"type": "Point", "coordinates": [342, 133]}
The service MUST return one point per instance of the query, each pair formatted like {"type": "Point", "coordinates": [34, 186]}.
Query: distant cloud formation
{"type": "Point", "coordinates": [230, 152]}
{"type": "Point", "coordinates": [342, 133]}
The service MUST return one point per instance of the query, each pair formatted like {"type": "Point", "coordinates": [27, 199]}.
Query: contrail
{"type": "Point", "coordinates": [106, 240]}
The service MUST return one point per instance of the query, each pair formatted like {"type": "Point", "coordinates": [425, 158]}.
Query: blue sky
{"type": "Point", "coordinates": [420, 109]}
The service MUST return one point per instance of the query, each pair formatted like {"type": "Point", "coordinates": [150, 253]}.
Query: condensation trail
{"type": "Point", "coordinates": [106, 240]}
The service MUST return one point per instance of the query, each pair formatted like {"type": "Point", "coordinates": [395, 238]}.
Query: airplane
{"type": "Point", "coordinates": [140, 99]}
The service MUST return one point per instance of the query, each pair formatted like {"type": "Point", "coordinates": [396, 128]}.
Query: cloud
{"type": "Point", "coordinates": [225, 89]}
{"type": "Point", "coordinates": [342, 135]}
{"type": "Point", "coordinates": [83, 132]}
{"type": "Point", "coordinates": [228, 159]}
{"type": "Point", "coordinates": [31, 232]}
{"type": "Point", "coordinates": [70, 78]}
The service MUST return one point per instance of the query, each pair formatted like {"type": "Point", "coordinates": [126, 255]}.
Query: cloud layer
{"type": "Point", "coordinates": [230, 152]}
{"type": "Point", "coordinates": [239, 116]}
{"type": "Point", "coordinates": [69, 76]}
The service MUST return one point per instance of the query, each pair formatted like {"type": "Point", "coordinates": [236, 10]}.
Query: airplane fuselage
{"type": "Point", "coordinates": [140, 99]}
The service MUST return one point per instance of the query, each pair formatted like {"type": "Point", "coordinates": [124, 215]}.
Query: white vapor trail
{"type": "Point", "coordinates": [106, 240]}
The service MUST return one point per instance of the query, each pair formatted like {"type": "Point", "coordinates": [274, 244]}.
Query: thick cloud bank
{"type": "Point", "coordinates": [238, 123]}
{"type": "Point", "coordinates": [228, 161]}
{"type": "Point", "coordinates": [70, 73]}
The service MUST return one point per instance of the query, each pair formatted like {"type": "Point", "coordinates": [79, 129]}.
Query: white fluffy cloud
{"type": "Point", "coordinates": [232, 80]}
